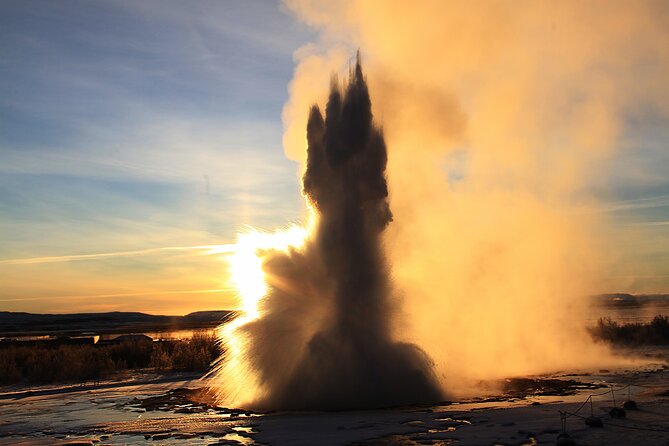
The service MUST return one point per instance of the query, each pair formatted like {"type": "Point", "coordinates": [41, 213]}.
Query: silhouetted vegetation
{"type": "Point", "coordinates": [44, 363]}
{"type": "Point", "coordinates": [655, 332]}
{"type": "Point", "coordinates": [194, 355]}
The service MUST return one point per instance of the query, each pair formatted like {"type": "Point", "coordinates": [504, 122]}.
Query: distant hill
{"type": "Point", "coordinates": [632, 300]}
{"type": "Point", "coordinates": [16, 323]}
{"type": "Point", "coordinates": [209, 315]}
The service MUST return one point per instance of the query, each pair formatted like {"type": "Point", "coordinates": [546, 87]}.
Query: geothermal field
{"type": "Point", "coordinates": [182, 408]}
{"type": "Point", "coordinates": [312, 357]}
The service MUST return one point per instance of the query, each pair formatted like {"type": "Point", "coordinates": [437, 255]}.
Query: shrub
{"type": "Point", "coordinates": [655, 332]}
{"type": "Point", "coordinates": [50, 362]}
{"type": "Point", "coordinates": [195, 354]}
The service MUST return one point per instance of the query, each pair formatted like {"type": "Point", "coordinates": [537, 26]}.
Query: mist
{"type": "Point", "coordinates": [501, 120]}
{"type": "Point", "coordinates": [322, 336]}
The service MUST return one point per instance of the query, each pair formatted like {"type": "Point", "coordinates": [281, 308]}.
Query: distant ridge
{"type": "Point", "coordinates": [632, 300]}
{"type": "Point", "coordinates": [20, 323]}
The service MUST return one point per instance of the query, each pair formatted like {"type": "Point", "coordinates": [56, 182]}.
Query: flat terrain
{"type": "Point", "coordinates": [172, 409]}
{"type": "Point", "coordinates": [136, 406]}
{"type": "Point", "coordinates": [15, 324]}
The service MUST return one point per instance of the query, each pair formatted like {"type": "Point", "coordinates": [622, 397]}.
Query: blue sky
{"type": "Point", "coordinates": [132, 125]}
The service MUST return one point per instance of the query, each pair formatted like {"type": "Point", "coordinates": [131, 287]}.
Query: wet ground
{"type": "Point", "coordinates": [175, 410]}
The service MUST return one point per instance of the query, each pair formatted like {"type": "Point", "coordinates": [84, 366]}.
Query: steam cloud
{"type": "Point", "coordinates": [324, 338]}
{"type": "Point", "coordinates": [501, 119]}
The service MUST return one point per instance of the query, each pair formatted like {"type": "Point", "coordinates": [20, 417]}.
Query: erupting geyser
{"type": "Point", "coordinates": [318, 303]}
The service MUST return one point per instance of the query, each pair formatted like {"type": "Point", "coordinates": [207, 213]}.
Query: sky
{"type": "Point", "coordinates": [129, 126]}
{"type": "Point", "coordinates": [151, 132]}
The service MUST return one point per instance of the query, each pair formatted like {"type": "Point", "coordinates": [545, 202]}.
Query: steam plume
{"type": "Point", "coordinates": [323, 340]}
{"type": "Point", "coordinates": [501, 119]}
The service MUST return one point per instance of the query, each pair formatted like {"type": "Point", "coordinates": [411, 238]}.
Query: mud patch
{"type": "Point", "coordinates": [525, 387]}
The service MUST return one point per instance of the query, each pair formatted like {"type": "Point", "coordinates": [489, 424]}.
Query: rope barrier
{"type": "Point", "coordinates": [612, 391]}
{"type": "Point", "coordinates": [617, 425]}
{"type": "Point", "coordinates": [584, 403]}
{"type": "Point", "coordinates": [594, 421]}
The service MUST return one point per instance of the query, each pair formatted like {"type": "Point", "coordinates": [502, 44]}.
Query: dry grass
{"type": "Point", "coordinates": [48, 362]}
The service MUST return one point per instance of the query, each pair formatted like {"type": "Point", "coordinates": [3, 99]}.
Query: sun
{"type": "Point", "coordinates": [246, 262]}
{"type": "Point", "coordinates": [237, 381]}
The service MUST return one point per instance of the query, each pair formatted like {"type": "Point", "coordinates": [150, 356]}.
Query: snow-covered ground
{"type": "Point", "coordinates": [167, 410]}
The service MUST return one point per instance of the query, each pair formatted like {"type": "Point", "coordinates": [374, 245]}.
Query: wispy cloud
{"type": "Point", "coordinates": [636, 204]}
{"type": "Point", "coordinates": [642, 276]}
{"type": "Point", "coordinates": [129, 124]}
{"type": "Point", "coordinates": [207, 249]}
{"type": "Point", "coordinates": [649, 223]}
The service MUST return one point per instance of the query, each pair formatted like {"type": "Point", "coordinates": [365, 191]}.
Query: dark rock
{"type": "Point", "coordinates": [564, 439]}
{"type": "Point", "coordinates": [594, 421]}
{"type": "Point", "coordinates": [630, 405]}
{"type": "Point", "coordinates": [617, 412]}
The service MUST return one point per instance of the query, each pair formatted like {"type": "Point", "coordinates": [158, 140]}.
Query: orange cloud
{"type": "Point", "coordinates": [498, 115]}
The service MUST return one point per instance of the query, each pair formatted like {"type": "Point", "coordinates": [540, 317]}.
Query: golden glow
{"type": "Point", "coordinates": [236, 381]}
{"type": "Point", "coordinates": [492, 259]}
{"type": "Point", "coordinates": [247, 260]}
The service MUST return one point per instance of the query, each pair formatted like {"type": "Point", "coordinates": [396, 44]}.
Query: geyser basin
{"type": "Point", "coordinates": [316, 333]}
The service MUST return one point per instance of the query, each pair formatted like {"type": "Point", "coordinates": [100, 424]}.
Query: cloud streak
{"type": "Point", "coordinates": [208, 249]}
{"type": "Point", "coordinates": [637, 204]}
